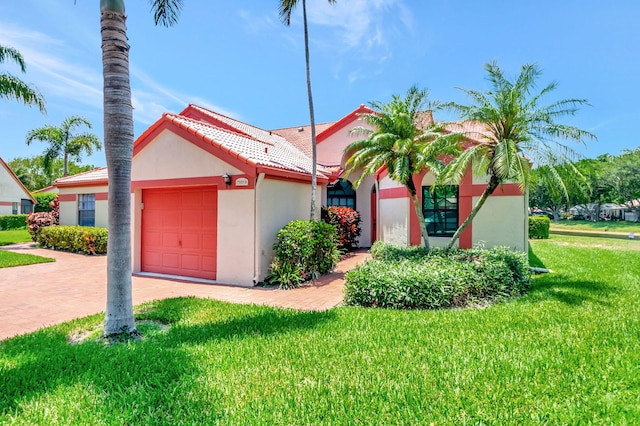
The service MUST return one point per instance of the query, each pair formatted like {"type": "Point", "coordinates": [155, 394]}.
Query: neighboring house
{"type": "Point", "coordinates": [83, 198]}
{"type": "Point", "coordinates": [14, 197]}
{"type": "Point", "coordinates": [209, 193]}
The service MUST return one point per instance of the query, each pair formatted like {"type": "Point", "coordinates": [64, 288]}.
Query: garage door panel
{"type": "Point", "coordinates": [179, 231]}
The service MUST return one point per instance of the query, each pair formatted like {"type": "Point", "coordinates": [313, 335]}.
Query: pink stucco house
{"type": "Point", "coordinates": [209, 194]}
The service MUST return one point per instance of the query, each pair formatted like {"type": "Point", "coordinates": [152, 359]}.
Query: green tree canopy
{"type": "Point", "coordinates": [401, 141]}
{"type": "Point", "coordinates": [11, 87]}
{"type": "Point", "coordinates": [518, 130]}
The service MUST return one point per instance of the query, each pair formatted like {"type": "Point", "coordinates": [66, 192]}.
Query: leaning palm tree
{"type": "Point", "coordinates": [63, 142]}
{"type": "Point", "coordinates": [518, 130]}
{"type": "Point", "coordinates": [118, 140]}
{"type": "Point", "coordinates": [403, 142]}
{"type": "Point", "coordinates": [286, 9]}
{"type": "Point", "coordinates": [12, 87]}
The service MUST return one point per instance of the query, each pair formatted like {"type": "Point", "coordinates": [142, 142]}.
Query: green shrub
{"type": "Point", "coordinates": [77, 239]}
{"type": "Point", "coordinates": [43, 201]}
{"type": "Point", "coordinates": [347, 222]}
{"type": "Point", "coordinates": [303, 250]}
{"type": "Point", "coordinates": [539, 227]}
{"type": "Point", "coordinates": [13, 221]}
{"type": "Point", "coordinates": [414, 278]}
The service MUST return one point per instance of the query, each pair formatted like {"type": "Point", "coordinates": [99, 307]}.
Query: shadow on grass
{"type": "Point", "coordinates": [571, 292]}
{"type": "Point", "coordinates": [534, 260]}
{"type": "Point", "coordinates": [35, 365]}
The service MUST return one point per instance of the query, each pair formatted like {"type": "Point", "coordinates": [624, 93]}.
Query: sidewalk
{"type": "Point", "coordinates": [35, 296]}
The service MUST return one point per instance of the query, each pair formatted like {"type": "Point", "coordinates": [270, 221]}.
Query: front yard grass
{"type": "Point", "coordinates": [567, 353]}
{"type": "Point", "coordinates": [601, 226]}
{"type": "Point", "coordinates": [14, 236]}
{"type": "Point", "coordinates": [9, 259]}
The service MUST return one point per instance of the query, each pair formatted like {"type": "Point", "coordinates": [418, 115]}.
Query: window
{"type": "Point", "coordinates": [14, 208]}
{"type": "Point", "coordinates": [440, 210]}
{"type": "Point", "coordinates": [86, 209]}
{"type": "Point", "coordinates": [341, 194]}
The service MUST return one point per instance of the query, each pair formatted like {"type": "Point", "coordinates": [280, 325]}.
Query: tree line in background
{"type": "Point", "coordinates": [604, 179]}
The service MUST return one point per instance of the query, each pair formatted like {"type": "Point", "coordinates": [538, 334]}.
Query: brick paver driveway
{"type": "Point", "coordinates": [34, 296]}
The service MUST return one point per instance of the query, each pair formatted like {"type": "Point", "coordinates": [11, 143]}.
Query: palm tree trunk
{"type": "Point", "coordinates": [65, 171]}
{"type": "Point", "coordinates": [118, 141]}
{"type": "Point", "coordinates": [416, 204]}
{"type": "Point", "coordinates": [491, 186]}
{"type": "Point", "coordinates": [314, 172]}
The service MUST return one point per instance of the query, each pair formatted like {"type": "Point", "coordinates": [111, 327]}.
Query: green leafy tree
{"type": "Point", "coordinates": [625, 177]}
{"type": "Point", "coordinates": [31, 171]}
{"type": "Point", "coordinates": [517, 130]}
{"type": "Point", "coordinates": [11, 87]}
{"type": "Point", "coordinates": [403, 142]}
{"type": "Point", "coordinates": [286, 9]}
{"type": "Point", "coordinates": [63, 142]}
{"type": "Point", "coordinates": [552, 198]}
{"type": "Point", "coordinates": [118, 140]}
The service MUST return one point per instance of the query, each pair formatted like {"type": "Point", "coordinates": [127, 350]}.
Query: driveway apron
{"type": "Point", "coordinates": [36, 296]}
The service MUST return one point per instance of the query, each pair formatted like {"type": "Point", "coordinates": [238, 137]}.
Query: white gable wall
{"type": "Point", "coordinates": [10, 192]}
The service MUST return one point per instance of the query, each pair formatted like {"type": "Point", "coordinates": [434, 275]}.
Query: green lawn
{"type": "Point", "coordinates": [568, 353]}
{"type": "Point", "coordinates": [9, 259]}
{"type": "Point", "coordinates": [14, 236]}
{"type": "Point", "coordinates": [585, 225]}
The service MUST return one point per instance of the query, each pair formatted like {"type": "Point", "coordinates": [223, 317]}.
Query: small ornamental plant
{"type": "Point", "coordinates": [539, 227]}
{"type": "Point", "coordinates": [347, 222]}
{"type": "Point", "coordinates": [37, 220]}
{"type": "Point", "coordinates": [303, 250]}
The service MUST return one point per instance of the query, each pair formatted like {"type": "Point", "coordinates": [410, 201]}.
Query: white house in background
{"type": "Point", "coordinates": [14, 197]}
{"type": "Point", "coordinates": [209, 194]}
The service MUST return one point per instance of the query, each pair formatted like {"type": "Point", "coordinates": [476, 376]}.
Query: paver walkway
{"type": "Point", "coordinates": [35, 296]}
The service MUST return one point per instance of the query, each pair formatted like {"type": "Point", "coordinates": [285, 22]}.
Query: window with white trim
{"type": "Point", "coordinates": [87, 209]}
{"type": "Point", "coordinates": [14, 208]}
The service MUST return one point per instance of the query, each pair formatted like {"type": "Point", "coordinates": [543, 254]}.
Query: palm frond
{"type": "Point", "coordinates": [166, 12]}
{"type": "Point", "coordinates": [7, 52]}
{"type": "Point", "coordinates": [13, 88]}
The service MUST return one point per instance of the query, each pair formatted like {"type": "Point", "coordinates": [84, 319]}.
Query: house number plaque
{"type": "Point", "coordinates": [242, 181]}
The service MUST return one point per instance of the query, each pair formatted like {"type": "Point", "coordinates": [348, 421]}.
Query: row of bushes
{"type": "Point", "coordinates": [77, 239]}
{"type": "Point", "coordinates": [416, 278]}
{"type": "Point", "coordinates": [13, 221]}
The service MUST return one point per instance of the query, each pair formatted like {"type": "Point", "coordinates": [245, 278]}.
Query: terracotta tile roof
{"type": "Point", "coordinates": [300, 136]}
{"type": "Point", "coordinates": [473, 130]}
{"type": "Point", "coordinates": [268, 150]}
{"type": "Point", "coordinates": [92, 177]}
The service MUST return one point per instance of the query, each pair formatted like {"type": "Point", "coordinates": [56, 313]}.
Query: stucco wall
{"type": "Point", "coordinates": [278, 203]}
{"type": "Point", "coordinates": [235, 237]}
{"type": "Point", "coordinates": [69, 209]}
{"type": "Point", "coordinates": [10, 192]}
{"type": "Point", "coordinates": [500, 222]}
{"type": "Point", "coordinates": [169, 156]}
{"type": "Point", "coordinates": [330, 150]}
{"type": "Point", "coordinates": [393, 219]}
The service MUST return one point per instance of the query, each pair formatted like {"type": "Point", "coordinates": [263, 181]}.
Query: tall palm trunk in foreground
{"type": "Point", "coordinates": [118, 141]}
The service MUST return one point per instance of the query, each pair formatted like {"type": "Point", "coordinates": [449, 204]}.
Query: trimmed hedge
{"type": "Point", "coordinates": [13, 221]}
{"type": "Point", "coordinates": [539, 227]}
{"type": "Point", "coordinates": [414, 278]}
{"type": "Point", "coordinates": [303, 250]}
{"type": "Point", "coordinates": [77, 239]}
{"type": "Point", "coordinates": [347, 222]}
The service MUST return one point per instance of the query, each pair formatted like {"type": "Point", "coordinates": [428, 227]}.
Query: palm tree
{"type": "Point", "coordinates": [64, 143]}
{"type": "Point", "coordinates": [12, 87]}
{"type": "Point", "coordinates": [403, 142]}
{"type": "Point", "coordinates": [517, 130]}
{"type": "Point", "coordinates": [286, 9]}
{"type": "Point", "coordinates": [118, 139]}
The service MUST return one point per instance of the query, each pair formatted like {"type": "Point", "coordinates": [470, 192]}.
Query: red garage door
{"type": "Point", "coordinates": [179, 231]}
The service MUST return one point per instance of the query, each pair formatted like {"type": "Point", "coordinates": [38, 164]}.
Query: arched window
{"type": "Point", "coordinates": [341, 194]}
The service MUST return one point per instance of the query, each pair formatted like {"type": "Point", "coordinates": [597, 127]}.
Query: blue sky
{"type": "Point", "coordinates": [237, 58]}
